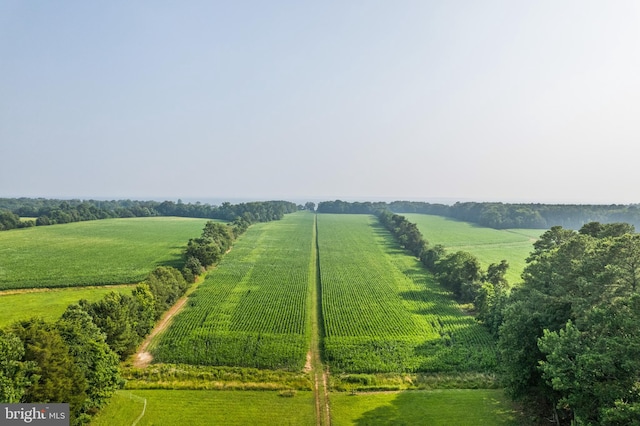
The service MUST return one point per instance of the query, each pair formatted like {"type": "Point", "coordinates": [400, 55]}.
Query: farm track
{"type": "Point", "coordinates": [142, 357]}
{"type": "Point", "coordinates": [314, 358]}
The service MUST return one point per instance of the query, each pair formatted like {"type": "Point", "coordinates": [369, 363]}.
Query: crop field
{"type": "Point", "coordinates": [487, 244]}
{"type": "Point", "coordinates": [110, 251]}
{"type": "Point", "coordinates": [383, 313]}
{"type": "Point", "coordinates": [458, 407]}
{"type": "Point", "coordinates": [49, 304]}
{"type": "Point", "coordinates": [197, 407]}
{"type": "Point", "coordinates": [253, 310]}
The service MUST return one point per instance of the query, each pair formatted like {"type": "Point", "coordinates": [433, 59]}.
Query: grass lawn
{"type": "Point", "coordinates": [196, 407]}
{"type": "Point", "coordinates": [50, 303]}
{"type": "Point", "coordinates": [487, 244]}
{"type": "Point", "coordinates": [458, 407]}
{"type": "Point", "coordinates": [461, 407]}
{"type": "Point", "coordinates": [98, 252]}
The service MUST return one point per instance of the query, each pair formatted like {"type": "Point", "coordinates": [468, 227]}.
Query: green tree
{"type": "Point", "coordinates": [492, 296]}
{"type": "Point", "coordinates": [144, 309]}
{"type": "Point", "coordinates": [16, 375]}
{"type": "Point", "coordinates": [594, 364]}
{"type": "Point", "coordinates": [91, 354]}
{"type": "Point", "coordinates": [114, 315]}
{"type": "Point", "coordinates": [461, 273]}
{"type": "Point", "coordinates": [60, 379]}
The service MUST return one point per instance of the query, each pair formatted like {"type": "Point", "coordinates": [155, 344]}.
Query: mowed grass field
{"type": "Point", "coordinates": [487, 407]}
{"type": "Point", "coordinates": [50, 303]}
{"type": "Point", "coordinates": [459, 407]}
{"type": "Point", "coordinates": [203, 408]}
{"type": "Point", "coordinates": [99, 252]}
{"type": "Point", "coordinates": [487, 244]}
{"type": "Point", "coordinates": [383, 312]}
{"type": "Point", "coordinates": [253, 309]}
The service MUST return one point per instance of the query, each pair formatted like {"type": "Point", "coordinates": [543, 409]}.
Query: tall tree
{"type": "Point", "coordinates": [16, 375]}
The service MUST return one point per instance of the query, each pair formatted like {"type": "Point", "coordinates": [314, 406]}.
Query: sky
{"type": "Point", "coordinates": [512, 101]}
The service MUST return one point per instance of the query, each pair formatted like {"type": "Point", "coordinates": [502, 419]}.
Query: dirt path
{"type": "Point", "coordinates": [314, 360]}
{"type": "Point", "coordinates": [142, 358]}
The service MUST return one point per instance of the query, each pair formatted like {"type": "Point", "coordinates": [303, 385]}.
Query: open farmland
{"type": "Point", "coordinates": [50, 303]}
{"type": "Point", "coordinates": [197, 407]}
{"type": "Point", "coordinates": [487, 244]}
{"type": "Point", "coordinates": [383, 313]}
{"type": "Point", "coordinates": [445, 407]}
{"type": "Point", "coordinates": [110, 251]}
{"type": "Point", "coordinates": [253, 310]}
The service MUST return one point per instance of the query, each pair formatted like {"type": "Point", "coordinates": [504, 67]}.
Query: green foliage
{"type": "Point", "coordinates": [91, 354]}
{"type": "Point", "coordinates": [166, 284]}
{"type": "Point", "coordinates": [115, 315]}
{"type": "Point", "coordinates": [144, 306]}
{"type": "Point", "coordinates": [460, 272]}
{"type": "Point", "coordinates": [16, 375]}
{"type": "Point", "coordinates": [569, 334]}
{"type": "Point", "coordinates": [59, 378]}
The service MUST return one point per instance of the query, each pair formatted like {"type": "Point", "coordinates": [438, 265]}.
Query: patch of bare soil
{"type": "Point", "coordinates": [308, 366]}
{"type": "Point", "coordinates": [143, 358]}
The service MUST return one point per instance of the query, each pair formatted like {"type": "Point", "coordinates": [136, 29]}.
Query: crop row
{"type": "Point", "coordinates": [381, 310]}
{"type": "Point", "coordinates": [253, 310]}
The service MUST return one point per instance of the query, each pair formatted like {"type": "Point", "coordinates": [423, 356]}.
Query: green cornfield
{"type": "Point", "coordinates": [383, 313]}
{"type": "Point", "coordinates": [97, 252]}
{"type": "Point", "coordinates": [253, 310]}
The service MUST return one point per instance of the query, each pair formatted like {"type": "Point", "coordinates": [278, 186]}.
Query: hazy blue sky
{"type": "Point", "coordinates": [482, 100]}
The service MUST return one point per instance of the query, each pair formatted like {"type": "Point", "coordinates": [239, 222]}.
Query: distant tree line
{"type": "Point", "coordinates": [51, 211]}
{"type": "Point", "coordinates": [500, 215]}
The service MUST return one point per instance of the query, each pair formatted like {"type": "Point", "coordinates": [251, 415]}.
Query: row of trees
{"type": "Point", "coordinates": [460, 272]}
{"type": "Point", "coordinates": [567, 338]}
{"type": "Point", "coordinates": [76, 359]}
{"type": "Point", "coordinates": [51, 212]}
{"type": "Point", "coordinates": [215, 241]}
{"type": "Point", "coordinates": [10, 220]}
{"type": "Point", "coordinates": [569, 341]}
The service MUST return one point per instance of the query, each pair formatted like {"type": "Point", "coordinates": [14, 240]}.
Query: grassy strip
{"type": "Point", "coordinates": [110, 251]}
{"type": "Point", "coordinates": [184, 376]}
